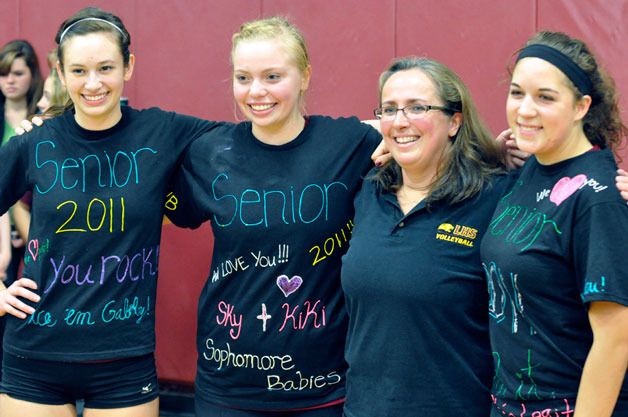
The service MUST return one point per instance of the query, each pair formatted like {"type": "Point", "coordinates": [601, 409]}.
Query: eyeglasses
{"type": "Point", "coordinates": [411, 111]}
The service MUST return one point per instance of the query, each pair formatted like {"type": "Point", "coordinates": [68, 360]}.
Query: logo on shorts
{"type": "Point", "coordinates": [148, 388]}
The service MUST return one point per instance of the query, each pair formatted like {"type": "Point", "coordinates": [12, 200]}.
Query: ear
{"type": "Point", "coordinates": [128, 70]}
{"type": "Point", "coordinates": [454, 124]}
{"type": "Point", "coordinates": [582, 107]}
{"type": "Point", "coordinates": [305, 82]}
{"type": "Point", "coordinates": [60, 73]}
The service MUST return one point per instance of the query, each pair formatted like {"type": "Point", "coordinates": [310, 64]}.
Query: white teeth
{"type": "Point", "coordinates": [529, 128]}
{"type": "Point", "coordinates": [95, 98]}
{"type": "Point", "coordinates": [406, 139]}
{"type": "Point", "coordinates": [261, 107]}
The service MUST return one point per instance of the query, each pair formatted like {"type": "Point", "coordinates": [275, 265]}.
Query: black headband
{"type": "Point", "coordinates": [561, 61]}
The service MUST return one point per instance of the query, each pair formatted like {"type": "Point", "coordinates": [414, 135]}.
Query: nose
{"type": "Point", "coordinates": [93, 81]}
{"type": "Point", "coordinates": [400, 120]}
{"type": "Point", "coordinates": [526, 107]}
{"type": "Point", "coordinates": [43, 104]}
{"type": "Point", "coordinates": [257, 88]}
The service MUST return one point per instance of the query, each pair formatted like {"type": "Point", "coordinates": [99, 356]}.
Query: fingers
{"type": "Point", "coordinates": [11, 298]}
{"type": "Point", "coordinates": [504, 136]}
{"type": "Point", "coordinates": [382, 159]}
{"type": "Point", "coordinates": [26, 125]}
{"type": "Point", "coordinates": [379, 152]}
{"type": "Point", "coordinates": [37, 121]}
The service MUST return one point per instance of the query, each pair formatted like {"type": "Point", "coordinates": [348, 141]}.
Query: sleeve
{"type": "Point", "coordinates": [372, 138]}
{"type": "Point", "coordinates": [27, 199]}
{"type": "Point", "coordinates": [365, 192]}
{"type": "Point", "coordinates": [186, 129]}
{"type": "Point", "coordinates": [13, 171]}
{"type": "Point", "coordinates": [187, 188]}
{"type": "Point", "coordinates": [599, 252]}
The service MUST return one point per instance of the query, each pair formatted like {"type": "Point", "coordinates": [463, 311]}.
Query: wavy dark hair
{"type": "Point", "coordinates": [473, 157]}
{"type": "Point", "coordinates": [602, 124]}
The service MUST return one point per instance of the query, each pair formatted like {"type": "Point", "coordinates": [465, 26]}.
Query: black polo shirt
{"type": "Point", "coordinates": [416, 295]}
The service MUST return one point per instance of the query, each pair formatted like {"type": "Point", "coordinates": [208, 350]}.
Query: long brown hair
{"type": "Point", "coordinates": [473, 157]}
{"type": "Point", "coordinates": [20, 48]}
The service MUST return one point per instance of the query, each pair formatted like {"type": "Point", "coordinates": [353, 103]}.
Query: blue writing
{"type": "Point", "coordinates": [126, 310]}
{"type": "Point", "coordinates": [78, 318]}
{"type": "Point", "coordinates": [592, 287]}
{"type": "Point", "coordinates": [105, 171]}
{"type": "Point", "coordinates": [256, 207]}
{"type": "Point", "coordinates": [42, 319]}
{"type": "Point", "coordinates": [501, 294]}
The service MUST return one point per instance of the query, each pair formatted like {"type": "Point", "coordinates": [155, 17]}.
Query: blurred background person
{"type": "Point", "coordinates": [21, 88]}
{"type": "Point", "coordinates": [54, 96]}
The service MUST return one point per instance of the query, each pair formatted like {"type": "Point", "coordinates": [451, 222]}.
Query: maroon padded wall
{"type": "Point", "coordinates": [182, 49]}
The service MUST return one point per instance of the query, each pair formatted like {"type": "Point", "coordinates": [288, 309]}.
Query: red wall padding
{"type": "Point", "coordinates": [182, 49]}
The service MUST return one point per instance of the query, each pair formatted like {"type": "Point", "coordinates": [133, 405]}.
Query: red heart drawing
{"type": "Point", "coordinates": [33, 249]}
{"type": "Point", "coordinates": [565, 187]}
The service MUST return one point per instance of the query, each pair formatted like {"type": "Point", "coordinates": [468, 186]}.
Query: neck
{"type": "Point", "coordinates": [15, 111]}
{"type": "Point", "coordinates": [418, 181]}
{"type": "Point", "coordinates": [98, 123]}
{"type": "Point", "coordinates": [280, 135]}
{"type": "Point", "coordinates": [19, 105]}
{"type": "Point", "coordinates": [576, 145]}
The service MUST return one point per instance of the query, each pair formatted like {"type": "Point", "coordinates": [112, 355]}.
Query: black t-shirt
{"type": "Point", "coordinates": [271, 318]}
{"type": "Point", "coordinates": [418, 340]}
{"type": "Point", "coordinates": [557, 242]}
{"type": "Point", "coordinates": [93, 243]}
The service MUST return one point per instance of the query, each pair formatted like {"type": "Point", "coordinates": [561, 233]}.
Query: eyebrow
{"type": "Point", "coordinates": [410, 101]}
{"type": "Point", "coordinates": [106, 61]}
{"type": "Point", "coordinates": [544, 89]}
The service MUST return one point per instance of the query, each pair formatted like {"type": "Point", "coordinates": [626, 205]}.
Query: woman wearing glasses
{"type": "Point", "coordinates": [415, 290]}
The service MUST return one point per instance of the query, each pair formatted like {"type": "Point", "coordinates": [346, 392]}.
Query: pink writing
{"type": "Point", "coordinates": [228, 319]}
{"type": "Point", "coordinates": [308, 311]}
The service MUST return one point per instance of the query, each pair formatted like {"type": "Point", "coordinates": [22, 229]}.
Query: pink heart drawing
{"type": "Point", "coordinates": [565, 187]}
{"type": "Point", "coordinates": [33, 248]}
{"type": "Point", "coordinates": [289, 285]}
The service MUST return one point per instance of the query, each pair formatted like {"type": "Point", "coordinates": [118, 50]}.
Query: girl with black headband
{"type": "Point", "coordinates": [554, 253]}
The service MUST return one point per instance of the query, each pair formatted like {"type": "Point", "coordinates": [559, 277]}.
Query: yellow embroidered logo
{"type": "Point", "coordinates": [461, 235]}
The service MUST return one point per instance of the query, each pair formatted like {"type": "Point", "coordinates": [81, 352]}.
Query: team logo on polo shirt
{"type": "Point", "coordinates": [457, 233]}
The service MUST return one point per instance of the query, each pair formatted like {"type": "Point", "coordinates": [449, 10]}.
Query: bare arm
{"type": "Point", "coordinates": [622, 183]}
{"type": "Point", "coordinates": [606, 364]}
{"type": "Point", "coordinates": [10, 297]}
{"type": "Point", "coordinates": [5, 245]}
{"type": "Point", "coordinates": [22, 219]}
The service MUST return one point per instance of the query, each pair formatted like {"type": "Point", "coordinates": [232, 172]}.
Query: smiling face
{"type": "Point", "coordinates": [94, 75]}
{"type": "Point", "coordinates": [268, 88]}
{"type": "Point", "coordinates": [543, 112]}
{"type": "Point", "coordinates": [416, 144]}
{"type": "Point", "coordinates": [16, 83]}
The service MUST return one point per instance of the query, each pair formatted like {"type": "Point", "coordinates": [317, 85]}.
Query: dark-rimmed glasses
{"type": "Point", "coordinates": [411, 111]}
